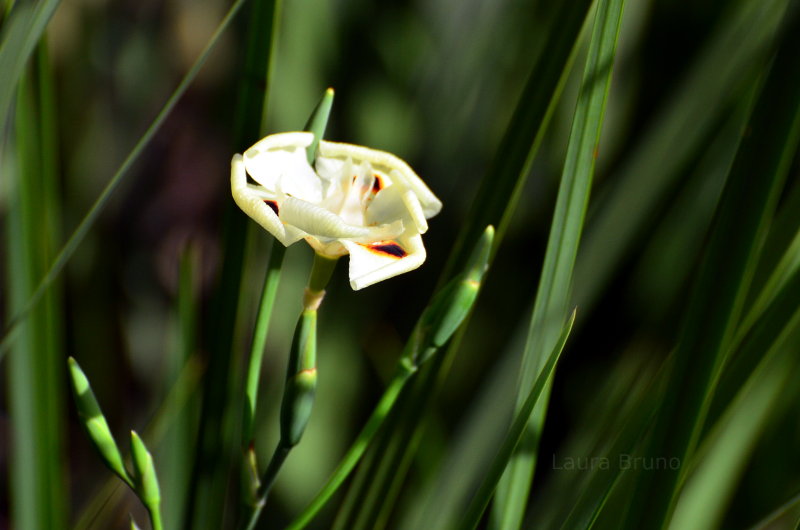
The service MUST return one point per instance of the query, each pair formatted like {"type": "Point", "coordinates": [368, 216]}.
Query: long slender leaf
{"type": "Point", "coordinates": [724, 278]}
{"type": "Point", "coordinates": [515, 433]}
{"type": "Point", "coordinates": [729, 446]}
{"type": "Point", "coordinates": [91, 216]}
{"type": "Point", "coordinates": [20, 34]}
{"type": "Point", "coordinates": [623, 216]}
{"type": "Point", "coordinates": [556, 278]}
{"type": "Point", "coordinates": [36, 375]}
{"type": "Point", "coordinates": [785, 516]}
{"type": "Point", "coordinates": [210, 477]}
{"type": "Point", "coordinates": [176, 450]}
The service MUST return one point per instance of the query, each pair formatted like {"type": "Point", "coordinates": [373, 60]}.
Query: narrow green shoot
{"type": "Point", "coordinates": [317, 123]}
{"type": "Point", "coordinates": [515, 433]}
{"type": "Point", "coordinates": [146, 480]}
{"type": "Point", "coordinates": [725, 452]}
{"type": "Point", "coordinates": [553, 294]}
{"type": "Point", "coordinates": [34, 378]}
{"type": "Point", "coordinates": [217, 443]}
{"type": "Point", "coordinates": [21, 32]}
{"type": "Point", "coordinates": [301, 382]}
{"type": "Point", "coordinates": [95, 423]}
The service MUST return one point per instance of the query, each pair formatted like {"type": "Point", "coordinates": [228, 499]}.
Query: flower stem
{"type": "Point", "coordinates": [301, 381]}
{"type": "Point", "coordinates": [358, 448]}
{"type": "Point", "coordinates": [270, 289]}
{"type": "Point", "coordinates": [155, 517]}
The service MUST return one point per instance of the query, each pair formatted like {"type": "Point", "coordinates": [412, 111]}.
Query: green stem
{"type": "Point", "coordinates": [155, 517]}
{"type": "Point", "coordinates": [357, 450]}
{"type": "Point", "coordinates": [301, 381]}
{"type": "Point", "coordinates": [270, 289]}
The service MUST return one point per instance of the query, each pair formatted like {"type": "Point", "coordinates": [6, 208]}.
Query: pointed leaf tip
{"type": "Point", "coordinates": [318, 122]}
{"type": "Point", "coordinates": [479, 260]}
{"type": "Point", "coordinates": [145, 472]}
{"type": "Point", "coordinates": [94, 422]}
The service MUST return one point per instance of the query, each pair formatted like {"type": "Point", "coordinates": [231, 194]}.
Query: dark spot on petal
{"type": "Point", "coordinates": [273, 205]}
{"type": "Point", "coordinates": [377, 184]}
{"type": "Point", "coordinates": [354, 178]}
{"type": "Point", "coordinates": [388, 248]}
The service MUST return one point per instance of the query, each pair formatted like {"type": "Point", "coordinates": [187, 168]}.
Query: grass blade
{"type": "Point", "coordinates": [681, 127]}
{"type": "Point", "coordinates": [91, 216]}
{"type": "Point", "coordinates": [724, 278]}
{"type": "Point", "coordinates": [21, 32]}
{"type": "Point", "coordinates": [515, 433]}
{"type": "Point", "coordinates": [729, 446]}
{"type": "Point", "coordinates": [211, 474]}
{"type": "Point", "coordinates": [36, 375]}
{"type": "Point", "coordinates": [556, 278]}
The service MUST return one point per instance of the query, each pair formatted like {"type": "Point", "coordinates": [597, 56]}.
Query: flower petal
{"type": "Point", "coordinates": [397, 202]}
{"type": "Point", "coordinates": [257, 205]}
{"type": "Point", "coordinates": [389, 164]}
{"type": "Point", "coordinates": [372, 263]}
{"type": "Point", "coordinates": [279, 163]}
{"type": "Point", "coordinates": [321, 223]}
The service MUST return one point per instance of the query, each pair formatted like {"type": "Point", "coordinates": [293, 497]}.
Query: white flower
{"type": "Point", "coordinates": [359, 201]}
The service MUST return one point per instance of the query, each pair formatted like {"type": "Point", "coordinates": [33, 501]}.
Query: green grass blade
{"type": "Point", "coordinates": [729, 446]}
{"type": "Point", "coordinates": [174, 453]}
{"type": "Point", "coordinates": [682, 125]}
{"type": "Point", "coordinates": [269, 291]}
{"type": "Point", "coordinates": [556, 278]}
{"type": "Point", "coordinates": [515, 433]}
{"type": "Point", "coordinates": [499, 191]}
{"type": "Point", "coordinates": [599, 486]}
{"type": "Point", "coordinates": [21, 32]}
{"type": "Point", "coordinates": [785, 516]}
{"type": "Point", "coordinates": [724, 277]}
{"type": "Point", "coordinates": [780, 260]}
{"type": "Point", "coordinates": [210, 474]}
{"type": "Point", "coordinates": [35, 377]}
{"type": "Point", "coordinates": [754, 346]}
{"type": "Point", "coordinates": [91, 216]}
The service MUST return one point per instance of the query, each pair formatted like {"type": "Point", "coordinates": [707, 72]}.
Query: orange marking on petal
{"type": "Point", "coordinates": [388, 248]}
{"type": "Point", "coordinates": [272, 204]}
{"type": "Point", "coordinates": [377, 184]}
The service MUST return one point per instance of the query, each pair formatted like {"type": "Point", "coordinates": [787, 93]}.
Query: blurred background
{"type": "Point", "coordinates": [436, 83]}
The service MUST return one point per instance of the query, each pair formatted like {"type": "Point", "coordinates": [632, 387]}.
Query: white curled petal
{"type": "Point", "coordinates": [279, 163]}
{"type": "Point", "coordinates": [288, 140]}
{"type": "Point", "coordinates": [396, 202]}
{"type": "Point", "coordinates": [370, 264]}
{"type": "Point", "coordinates": [321, 223]}
{"type": "Point", "coordinates": [386, 163]}
{"type": "Point", "coordinates": [253, 203]}
{"type": "Point", "coordinates": [415, 211]}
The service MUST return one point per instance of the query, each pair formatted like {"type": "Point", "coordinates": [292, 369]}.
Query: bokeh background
{"type": "Point", "coordinates": [436, 83]}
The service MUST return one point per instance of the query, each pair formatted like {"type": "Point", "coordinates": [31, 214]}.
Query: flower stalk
{"type": "Point", "coordinates": [301, 381]}
{"type": "Point", "coordinates": [445, 313]}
